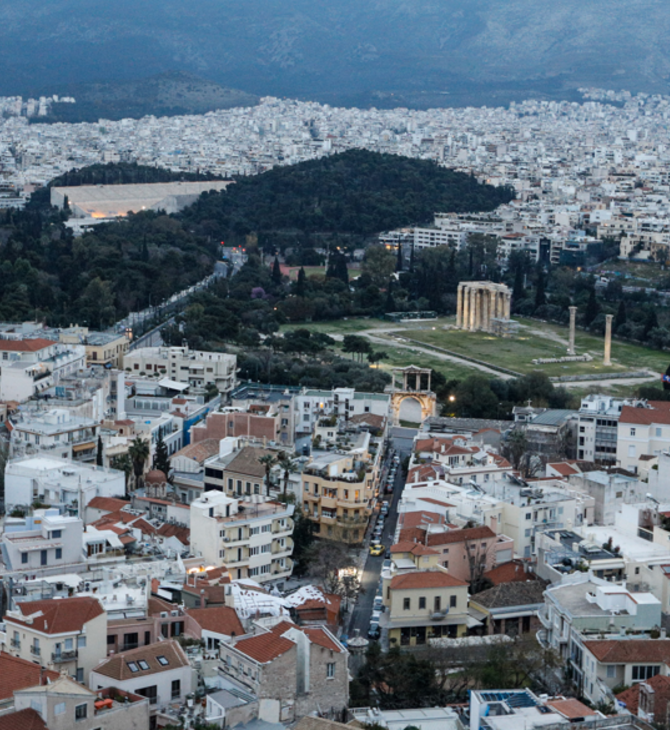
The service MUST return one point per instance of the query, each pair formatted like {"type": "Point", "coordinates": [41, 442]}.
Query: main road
{"type": "Point", "coordinates": [401, 441]}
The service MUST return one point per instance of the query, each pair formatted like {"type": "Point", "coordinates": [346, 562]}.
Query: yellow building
{"type": "Point", "coordinates": [337, 493]}
{"type": "Point", "coordinates": [422, 605]}
{"type": "Point", "coordinates": [102, 348]}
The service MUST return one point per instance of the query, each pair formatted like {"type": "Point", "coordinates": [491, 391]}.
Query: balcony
{"type": "Point", "coordinates": [288, 527]}
{"type": "Point", "coordinates": [35, 650]}
{"type": "Point", "coordinates": [15, 643]}
{"type": "Point", "coordinates": [61, 657]}
{"type": "Point", "coordinates": [287, 548]}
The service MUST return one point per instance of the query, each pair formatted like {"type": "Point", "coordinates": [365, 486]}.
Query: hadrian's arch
{"type": "Point", "coordinates": [414, 401]}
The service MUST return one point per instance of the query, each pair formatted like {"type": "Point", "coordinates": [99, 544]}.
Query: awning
{"type": "Point", "coordinates": [472, 622]}
{"type": "Point", "coordinates": [173, 384]}
{"type": "Point", "coordinates": [83, 447]}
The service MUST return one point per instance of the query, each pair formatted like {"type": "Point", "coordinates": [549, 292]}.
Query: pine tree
{"type": "Point", "coordinates": [276, 271]}
{"type": "Point", "coordinates": [592, 308]}
{"type": "Point", "coordinates": [300, 284]}
{"type": "Point", "coordinates": [621, 317]}
{"type": "Point", "coordinates": [540, 296]}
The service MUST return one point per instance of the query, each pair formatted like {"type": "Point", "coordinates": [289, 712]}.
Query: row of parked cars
{"type": "Point", "coordinates": [374, 632]}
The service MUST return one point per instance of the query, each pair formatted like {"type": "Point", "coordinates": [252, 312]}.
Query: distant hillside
{"type": "Point", "coordinates": [167, 94]}
{"type": "Point", "coordinates": [382, 52]}
{"type": "Point", "coordinates": [356, 193]}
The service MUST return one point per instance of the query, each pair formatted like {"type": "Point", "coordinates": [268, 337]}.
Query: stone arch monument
{"type": "Point", "coordinates": [416, 386]}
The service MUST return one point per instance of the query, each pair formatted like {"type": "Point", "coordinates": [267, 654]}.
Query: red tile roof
{"type": "Point", "coordinates": [416, 548]}
{"type": "Point", "coordinates": [108, 504]}
{"type": "Point", "coordinates": [183, 534]}
{"type": "Point", "coordinates": [264, 647]}
{"type": "Point", "coordinates": [18, 673]}
{"type": "Point", "coordinates": [661, 686]}
{"type": "Point", "coordinates": [25, 345]}
{"type": "Point", "coordinates": [425, 579]}
{"type": "Point", "coordinates": [421, 518]}
{"type": "Point", "coordinates": [511, 572]}
{"type": "Point", "coordinates": [452, 536]}
{"type": "Point", "coordinates": [27, 719]}
{"type": "Point", "coordinates": [430, 500]}
{"type": "Point", "coordinates": [613, 651]}
{"type": "Point", "coordinates": [58, 616]}
{"type": "Point", "coordinates": [320, 637]}
{"type": "Point", "coordinates": [117, 668]}
{"type": "Point", "coordinates": [218, 619]}
{"type": "Point", "coordinates": [658, 413]}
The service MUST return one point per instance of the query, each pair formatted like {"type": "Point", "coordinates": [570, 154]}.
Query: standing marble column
{"type": "Point", "coordinates": [607, 360]}
{"type": "Point", "coordinates": [573, 316]}
{"type": "Point", "coordinates": [473, 308]}
{"type": "Point", "coordinates": [459, 306]}
{"type": "Point", "coordinates": [465, 320]}
{"type": "Point", "coordinates": [487, 310]}
{"type": "Point", "coordinates": [508, 306]}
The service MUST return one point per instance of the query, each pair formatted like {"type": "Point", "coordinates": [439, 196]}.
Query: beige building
{"type": "Point", "coordinates": [102, 348]}
{"type": "Point", "coordinates": [65, 704]}
{"type": "Point", "coordinates": [252, 538]}
{"type": "Point", "coordinates": [422, 605]}
{"type": "Point", "coordinates": [238, 473]}
{"type": "Point", "coordinates": [338, 488]}
{"type": "Point", "coordinates": [63, 634]}
{"type": "Point", "coordinates": [183, 365]}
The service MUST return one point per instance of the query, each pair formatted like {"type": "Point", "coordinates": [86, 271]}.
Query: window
{"type": "Point", "coordinates": [330, 670]}
{"type": "Point", "coordinates": [176, 689]}
{"type": "Point", "coordinates": [69, 644]}
{"type": "Point", "coordinates": [151, 693]}
{"type": "Point", "coordinates": [632, 432]}
{"type": "Point", "coordinates": [56, 533]}
{"type": "Point", "coordinates": [266, 548]}
{"type": "Point", "coordinates": [81, 642]}
{"type": "Point", "coordinates": [143, 664]}
{"type": "Point", "coordinates": [611, 671]}
{"type": "Point", "coordinates": [133, 667]}
{"type": "Point", "coordinates": [422, 602]}
{"type": "Point", "coordinates": [528, 515]}
{"type": "Point", "coordinates": [162, 661]}
{"type": "Point", "coordinates": [642, 672]}
{"type": "Point", "coordinates": [631, 451]}
{"type": "Point", "coordinates": [59, 553]}
{"type": "Point", "coordinates": [80, 712]}
{"type": "Point", "coordinates": [405, 604]}
{"type": "Point", "coordinates": [437, 604]}
{"type": "Point", "coordinates": [59, 709]}
{"type": "Point", "coordinates": [24, 558]}
{"type": "Point", "coordinates": [266, 528]}
{"type": "Point", "coordinates": [452, 601]}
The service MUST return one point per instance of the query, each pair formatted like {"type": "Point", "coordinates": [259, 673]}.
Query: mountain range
{"type": "Point", "coordinates": [382, 52]}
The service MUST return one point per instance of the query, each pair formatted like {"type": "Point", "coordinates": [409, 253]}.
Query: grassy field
{"type": "Point", "coordinates": [633, 272]}
{"type": "Point", "coordinates": [535, 340]}
{"type": "Point", "coordinates": [321, 271]}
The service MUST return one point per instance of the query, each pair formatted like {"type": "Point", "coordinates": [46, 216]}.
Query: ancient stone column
{"type": "Point", "coordinates": [508, 306]}
{"type": "Point", "coordinates": [465, 319]}
{"type": "Point", "coordinates": [473, 308]}
{"type": "Point", "coordinates": [487, 310]}
{"type": "Point", "coordinates": [607, 360]}
{"type": "Point", "coordinates": [573, 315]}
{"type": "Point", "coordinates": [459, 306]}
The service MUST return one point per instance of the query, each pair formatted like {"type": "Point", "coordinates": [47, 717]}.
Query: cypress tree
{"type": "Point", "coordinates": [300, 284]}
{"type": "Point", "coordinates": [276, 271]}
{"type": "Point", "coordinates": [98, 456]}
{"type": "Point", "coordinates": [399, 261]}
{"type": "Point", "coordinates": [592, 308]}
{"type": "Point", "coordinates": [540, 296]}
{"type": "Point", "coordinates": [650, 322]}
{"type": "Point", "coordinates": [390, 301]}
{"type": "Point", "coordinates": [620, 318]}
{"type": "Point", "coordinates": [518, 292]}
{"type": "Point", "coordinates": [161, 458]}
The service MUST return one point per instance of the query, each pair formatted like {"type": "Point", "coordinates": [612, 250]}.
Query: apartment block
{"type": "Point", "coordinates": [251, 537]}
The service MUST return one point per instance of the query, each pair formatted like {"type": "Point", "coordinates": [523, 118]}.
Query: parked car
{"type": "Point", "coordinates": [374, 632]}
{"type": "Point", "coordinates": [386, 564]}
{"type": "Point", "coordinates": [378, 605]}
{"type": "Point", "coordinates": [376, 548]}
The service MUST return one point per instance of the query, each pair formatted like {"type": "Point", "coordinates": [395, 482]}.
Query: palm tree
{"type": "Point", "coordinates": [123, 463]}
{"type": "Point", "coordinates": [139, 453]}
{"type": "Point", "coordinates": [268, 461]}
{"type": "Point", "coordinates": [288, 466]}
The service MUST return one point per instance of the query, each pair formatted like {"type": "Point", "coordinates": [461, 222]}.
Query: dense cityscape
{"type": "Point", "coordinates": [479, 540]}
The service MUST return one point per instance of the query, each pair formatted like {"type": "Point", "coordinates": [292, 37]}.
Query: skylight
{"type": "Point", "coordinates": [162, 660]}
{"type": "Point", "coordinates": [133, 667]}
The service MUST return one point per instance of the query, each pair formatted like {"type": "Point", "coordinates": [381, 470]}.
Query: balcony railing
{"type": "Point", "coordinates": [15, 643]}
{"type": "Point", "coordinates": [35, 650]}
{"type": "Point", "coordinates": [64, 656]}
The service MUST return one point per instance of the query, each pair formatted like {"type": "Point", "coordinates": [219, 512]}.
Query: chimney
{"type": "Point", "coordinates": [663, 634]}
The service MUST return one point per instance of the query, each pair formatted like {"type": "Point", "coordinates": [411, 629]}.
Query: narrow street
{"type": "Point", "coordinates": [401, 440]}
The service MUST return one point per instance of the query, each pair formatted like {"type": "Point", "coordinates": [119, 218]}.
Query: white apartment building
{"type": "Point", "coordinates": [45, 539]}
{"type": "Point", "coordinates": [313, 405]}
{"type": "Point", "coordinates": [252, 537]}
{"type": "Point", "coordinates": [62, 634]}
{"type": "Point", "coordinates": [598, 419]}
{"type": "Point", "coordinates": [58, 483]}
{"type": "Point", "coordinates": [57, 432]}
{"type": "Point", "coordinates": [642, 431]}
{"type": "Point", "coordinates": [183, 365]}
{"type": "Point", "coordinates": [29, 367]}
